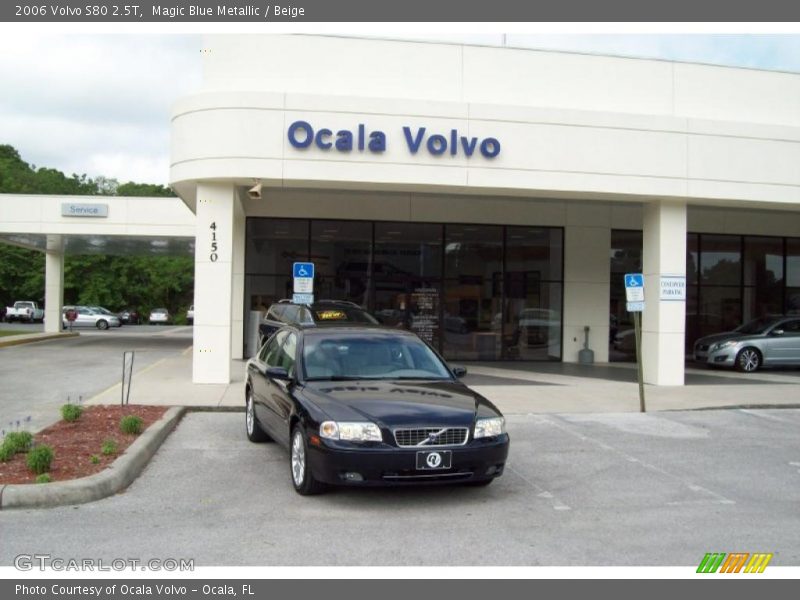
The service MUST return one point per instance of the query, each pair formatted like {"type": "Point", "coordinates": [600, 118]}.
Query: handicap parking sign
{"type": "Point", "coordinates": [634, 287]}
{"type": "Point", "coordinates": [303, 270]}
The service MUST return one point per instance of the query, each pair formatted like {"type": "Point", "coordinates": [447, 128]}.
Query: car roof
{"type": "Point", "coordinates": [350, 328]}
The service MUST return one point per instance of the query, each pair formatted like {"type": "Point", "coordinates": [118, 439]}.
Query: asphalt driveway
{"type": "Point", "coordinates": [591, 489]}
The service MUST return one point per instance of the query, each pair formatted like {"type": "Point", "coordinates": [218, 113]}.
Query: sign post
{"type": "Point", "coordinates": [634, 295]}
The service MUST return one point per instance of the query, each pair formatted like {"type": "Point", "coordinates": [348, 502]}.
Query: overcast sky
{"type": "Point", "coordinates": [100, 104]}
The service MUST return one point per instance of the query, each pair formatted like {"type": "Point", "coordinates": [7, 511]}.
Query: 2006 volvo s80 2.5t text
{"type": "Point", "coordinates": [358, 405]}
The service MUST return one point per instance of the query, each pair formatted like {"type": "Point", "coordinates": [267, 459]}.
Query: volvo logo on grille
{"type": "Point", "coordinates": [434, 459]}
{"type": "Point", "coordinates": [432, 437]}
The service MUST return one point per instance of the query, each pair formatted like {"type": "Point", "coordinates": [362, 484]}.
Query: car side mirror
{"type": "Point", "coordinates": [459, 371]}
{"type": "Point", "coordinates": [777, 332]}
{"type": "Point", "coordinates": [276, 373]}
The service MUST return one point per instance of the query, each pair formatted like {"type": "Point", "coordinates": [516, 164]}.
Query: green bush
{"type": "Point", "coordinates": [131, 425]}
{"type": "Point", "coordinates": [7, 452]}
{"type": "Point", "coordinates": [109, 447]}
{"type": "Point", "coordinates": [39, 459]}
{"type": "Point", "coordinates": [95, 459]}
{"type": "Point", "coordinates": [43, 478]}
{"type": "Point", "coordinates": [71, 412]}
{"type": "Point", "coordinates": [19, 441]}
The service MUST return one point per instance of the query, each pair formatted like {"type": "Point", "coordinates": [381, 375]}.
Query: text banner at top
{"type": "Point", "coordinates": [337, 11]}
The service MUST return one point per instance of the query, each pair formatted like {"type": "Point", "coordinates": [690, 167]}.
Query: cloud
{"type": "Point", "coordinates": [95, 104]}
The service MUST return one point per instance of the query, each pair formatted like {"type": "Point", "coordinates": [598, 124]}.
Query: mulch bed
{"type": "Point", "coordinates": [74, 443]}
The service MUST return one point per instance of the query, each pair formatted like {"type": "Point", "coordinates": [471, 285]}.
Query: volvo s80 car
{"type": "Point", "coordinates": [768, 341]}
{"type": "Point", "coordinates": [369, 406]}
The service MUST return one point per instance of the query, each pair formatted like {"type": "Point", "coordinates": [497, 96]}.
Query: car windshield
{"type": "Point", "coordinates": [374, 356]}
{"type": "Point", "coordinates": [756, 326]}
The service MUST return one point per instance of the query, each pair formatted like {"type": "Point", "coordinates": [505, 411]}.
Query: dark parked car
{"type": "Point", "coordinates": [130, 316]}
{"type": "Point", "coordinates": [768, 341]}
{"type": "Point", "coordinates": [368, 406]}
{"type": "Point", "coordinates": [325, 311]}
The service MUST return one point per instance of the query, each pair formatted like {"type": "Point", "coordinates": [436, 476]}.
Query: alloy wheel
{"type": "Point", "coordinates": [250, 417]}
{"type": "Point", "coordinates": [298, 459]}
{"type": "Point", "coordinates": [749, 360]}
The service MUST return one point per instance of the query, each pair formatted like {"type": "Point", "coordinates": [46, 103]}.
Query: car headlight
{"type": "Point", "coordinates": [723, 345]}
{"type": "Point", "coordinates": [351, 431]}
{"type": "Point", "coordinates": [489, 427]}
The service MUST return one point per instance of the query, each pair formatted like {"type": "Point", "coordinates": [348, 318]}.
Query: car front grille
{"type": "Point", "coordinates": [431, 436]}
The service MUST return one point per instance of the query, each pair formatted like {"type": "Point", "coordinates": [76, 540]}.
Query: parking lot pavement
{"type": "Point", "coordinates": [591, 489]}
{"type": "Point", "coordinates": [36, 379]}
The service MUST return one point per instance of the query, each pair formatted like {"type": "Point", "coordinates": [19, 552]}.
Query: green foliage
{"type": "Point", "coordinates": [71, 412]}
{"type": "Point", "coordinates": [94, 459]}
{"type": "Point", "coordinates": [44, 478]}
{"type": "Point", "coordinates": [131, 424]}
{"type": "Point", "coordinates": [109, 447]}
{"type": "Point", "coordinates": [7, 452]}
{"type": "Point", "coordinates": [39, 459]}
{"type": "Point", "coordinates": [115, 282]}
{"type": "Point", "coordinates": [19, 441]}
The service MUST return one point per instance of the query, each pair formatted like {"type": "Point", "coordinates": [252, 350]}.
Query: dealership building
{"type": "Point", "coordinates": [489, 198]}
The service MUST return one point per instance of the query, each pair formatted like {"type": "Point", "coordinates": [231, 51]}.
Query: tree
{"type": "Point", "coordinates": [115, 282]}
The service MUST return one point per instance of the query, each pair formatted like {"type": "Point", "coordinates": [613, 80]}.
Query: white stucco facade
{"type": "Point", "coordinates": [588, 143]}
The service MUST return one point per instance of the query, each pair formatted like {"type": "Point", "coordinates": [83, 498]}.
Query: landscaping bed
{"type": "Point", "coordinates": [78, 445]}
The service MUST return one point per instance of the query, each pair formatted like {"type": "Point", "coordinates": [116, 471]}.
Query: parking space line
{"type": "Point", "coordinates": [540, 491]}
{"type": "Point", "coordinates": [713, 497]}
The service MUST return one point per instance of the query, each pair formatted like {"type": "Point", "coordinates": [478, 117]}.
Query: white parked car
{"type": "Point", "coordinates": [190, 315]}
{"type": "Point", "coordinates": [88, 317]}
{"type": "Point", "coordinates": [159, 316]}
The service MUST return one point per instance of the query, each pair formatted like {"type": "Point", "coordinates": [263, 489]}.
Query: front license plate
{"type": "Point", "coordinates": [434, 459]}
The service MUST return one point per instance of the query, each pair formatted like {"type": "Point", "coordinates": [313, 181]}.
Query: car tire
{"type": "Point", "coordinates": [102, 325]}
{"type": "Point", "coordinates": [748, 360]}
{"type": "Point", "coordinates": [299, 470]}
{"type": "Point", "coordinates": [254, 431]}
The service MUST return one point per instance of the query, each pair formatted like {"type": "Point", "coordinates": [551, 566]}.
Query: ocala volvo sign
{"type": "Point", "coordinates": [302, 135]}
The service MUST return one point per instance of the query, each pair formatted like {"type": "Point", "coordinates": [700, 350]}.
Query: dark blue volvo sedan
{"type": "Point", "coordinates": [365, 406]}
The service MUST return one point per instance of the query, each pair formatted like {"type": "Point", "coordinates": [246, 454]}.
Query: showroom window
{"type": "Point", "coordinates": [473, 292]}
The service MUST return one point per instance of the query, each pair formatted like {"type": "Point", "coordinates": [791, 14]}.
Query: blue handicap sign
{"type": "Point", "coordinates": [303, 270]}
{"type": "Point", "coordinates": [634, 280]}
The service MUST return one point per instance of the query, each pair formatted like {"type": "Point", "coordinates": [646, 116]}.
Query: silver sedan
{"type": "Point", "coordinates": [768, 341]}
{"type": "Point", "coordinates": [89, 317]}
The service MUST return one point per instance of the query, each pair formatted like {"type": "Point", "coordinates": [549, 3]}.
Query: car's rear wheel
{"type": "Point", "coordinates": [102, 325]}
{"type": "Point", "coordinates": [254, 432]}
{"type": "Point", "coordinates": [302, 477]}
{"type": "Point", "coordinates": [748, 360]}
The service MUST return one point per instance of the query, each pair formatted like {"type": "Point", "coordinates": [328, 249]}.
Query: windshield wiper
{"type": "Point", "coordinates": [406, 377]}
{"type": "Point", "coordinates": [336, 378]}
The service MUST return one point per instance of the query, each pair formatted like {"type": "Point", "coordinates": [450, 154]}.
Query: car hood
{"type": "Point", "coordinates": [720, 337]}
{"type": "Point", "coordinates": [396, 403]}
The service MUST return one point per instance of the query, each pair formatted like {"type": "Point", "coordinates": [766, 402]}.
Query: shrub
{"type": "Point", "coordinates": [95, 459]}
{"type": "Point", "coordinates": [71, 412]}
{"type": "Point", "coordinates": [39, 459]}
{"type": "Point", "coordinates": [7, 452]}
{"type": "Point", "coordinates": [109, 447]}
{"type": "Point", "coordinates": [19, 441]}
{"type": "Point", "coordinates": [131, 424]}
{"type": "Point", "coordinates": [43, 478]}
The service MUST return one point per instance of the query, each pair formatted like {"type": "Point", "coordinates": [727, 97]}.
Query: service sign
{"type": "Point", "coordinates": [73, 209]}
{"type": "Point", "coordinates": [672, 288]}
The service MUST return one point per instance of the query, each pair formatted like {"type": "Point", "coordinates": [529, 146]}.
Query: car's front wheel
{"type": "Point", "coordinates": [102, 325]}
{"type": "Point", "coordinates": [302, 477]}
{"type": "Point", "coordinates": [748, 360]}
{"type": "Point", "coordinates": [254, 432]}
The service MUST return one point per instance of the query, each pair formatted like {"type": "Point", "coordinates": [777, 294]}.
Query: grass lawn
{"type": "Point", "coordinates": [7, 333]}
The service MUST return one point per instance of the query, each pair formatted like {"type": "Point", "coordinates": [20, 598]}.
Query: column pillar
{"type": "Point", "coordinates": [53, 283]}
{"type": "Point", "coordinates": [587, 239]}
{"type": "Point", "coordinates": [237, 305]}
{"type": "Point", "coordinates": [663, 321]}
{"type": "Point", "coordinates": [213, 282]}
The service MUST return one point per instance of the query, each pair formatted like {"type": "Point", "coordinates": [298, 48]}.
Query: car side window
{"type": "Point", "coordinates": [288, 351]}
{"type": "Point", "coordinates": [290, 314]}
{"type": "Point", "coordinates": [275, 313]}
{"type": "Point", "coordinates": [791, 327]}
{"type": "Point", "coordinates": [271, 351]}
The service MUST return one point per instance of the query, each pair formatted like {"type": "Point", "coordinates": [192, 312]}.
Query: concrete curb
{"type": "Point", "coordinates": [118, 476]}
{"type": "Point", "coordinates": [30, 338]}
